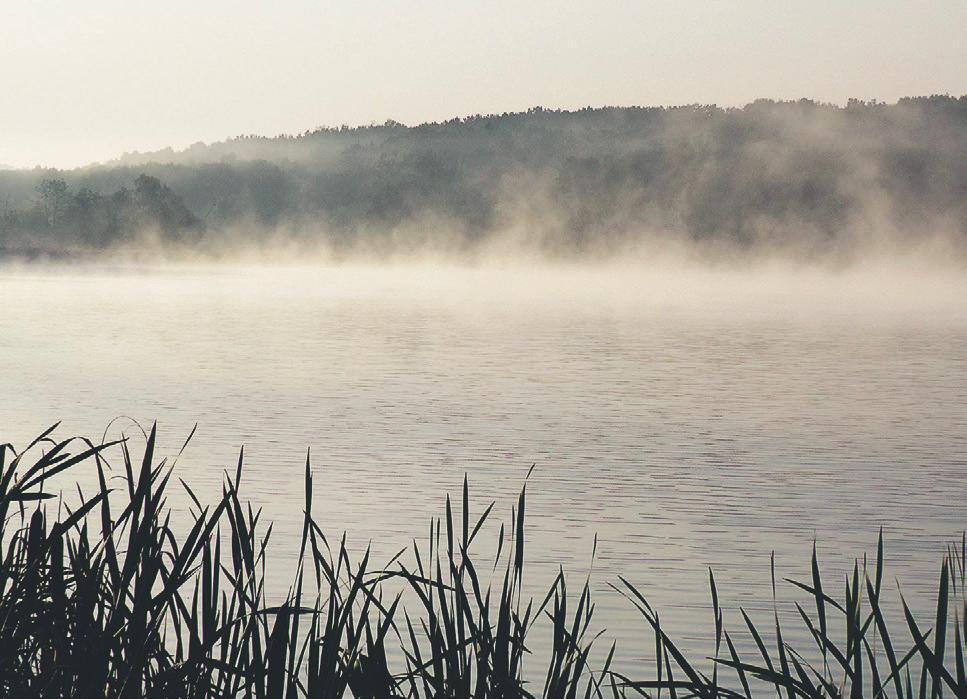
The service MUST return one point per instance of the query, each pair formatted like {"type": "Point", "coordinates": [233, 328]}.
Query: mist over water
{"type": "Point", "coordinates": [798, 181]}
{"type": "Point", "coordinates": [690, 416]}
{"type": "Point", "coordinates": [702, 337]}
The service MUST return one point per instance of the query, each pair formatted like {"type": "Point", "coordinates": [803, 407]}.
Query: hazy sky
{"type": "Point", "coordinates": [87, 81]}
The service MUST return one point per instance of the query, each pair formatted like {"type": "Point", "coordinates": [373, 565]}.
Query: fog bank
{"type": "Point", "coordinates": [791, 180]}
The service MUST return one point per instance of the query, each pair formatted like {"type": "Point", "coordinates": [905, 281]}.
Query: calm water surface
{"type": "Point", "coordinates": [687, 419]}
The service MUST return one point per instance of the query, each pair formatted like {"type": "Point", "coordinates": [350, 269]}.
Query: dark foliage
{"type": "Point", "coordinates": [106, 600]}
{"type": "Point", "coordinates": [801, 176]}
{"type": "Point", "coordinates": [62, 219]}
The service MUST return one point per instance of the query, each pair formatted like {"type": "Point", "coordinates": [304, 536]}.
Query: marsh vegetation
{"type": "Point", "coordinates": [104, 594]}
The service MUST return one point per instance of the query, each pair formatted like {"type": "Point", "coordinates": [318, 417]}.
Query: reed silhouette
{"type": "Point", "coordinates": [108, 599]}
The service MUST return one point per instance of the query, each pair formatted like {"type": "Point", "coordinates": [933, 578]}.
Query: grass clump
{"type": "Point", "coordinates": [110, 598]}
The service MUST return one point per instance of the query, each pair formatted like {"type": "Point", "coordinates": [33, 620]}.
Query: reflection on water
{"type": "Point", "coordinates": [688, 420]}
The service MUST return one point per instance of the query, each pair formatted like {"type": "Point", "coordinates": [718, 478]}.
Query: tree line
{"type": "Point", "coordinates": [799, 175]}
{"type": "Point", "coordinates": [59, 218]}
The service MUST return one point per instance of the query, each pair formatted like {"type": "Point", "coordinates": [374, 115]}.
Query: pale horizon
{"type": "Point", "coordinates": [87, 84]}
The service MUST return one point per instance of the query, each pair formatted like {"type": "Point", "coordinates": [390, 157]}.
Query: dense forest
{"type": "Point", "coordinates": [801, 176]}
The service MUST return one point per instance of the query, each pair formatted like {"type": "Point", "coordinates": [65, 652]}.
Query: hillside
{"type": "Point", "coordinates": [803, 177]}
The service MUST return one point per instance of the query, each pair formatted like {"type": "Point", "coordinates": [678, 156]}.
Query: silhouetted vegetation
{"type": "Point", "coordinates": [800, 175]}
{"type": "Point", "coordinates": [59, 218]}
{"type": "Point", "coordinates": [108, 599]}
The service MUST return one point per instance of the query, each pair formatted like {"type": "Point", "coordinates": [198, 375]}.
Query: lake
{"type": "Point", "coordinates": [689, 418]}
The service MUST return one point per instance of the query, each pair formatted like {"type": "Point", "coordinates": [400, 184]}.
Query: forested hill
{"type": "Point", "coordinates": [800, 176]}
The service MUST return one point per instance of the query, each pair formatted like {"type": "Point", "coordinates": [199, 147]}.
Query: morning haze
{"type": "Point", "coordinates": [87, 82]}
{"type": "Point", "coordinates": [645, 307]}
{"type": "Point", "coordinates": [798, 180]}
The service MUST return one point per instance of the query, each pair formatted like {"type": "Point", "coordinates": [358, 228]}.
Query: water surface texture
{"type": "Point", "coordinates": [688, 419]}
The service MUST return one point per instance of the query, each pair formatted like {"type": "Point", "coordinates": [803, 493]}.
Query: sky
{"type": "Point", "coordinates": [85, 82]}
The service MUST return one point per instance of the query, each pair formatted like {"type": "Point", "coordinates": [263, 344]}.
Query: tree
{"type": "Point", "coordinates": [159, 206]}
{"type": "Point", "coordinates": [53, 200]}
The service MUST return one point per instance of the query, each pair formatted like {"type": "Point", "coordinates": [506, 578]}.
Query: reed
{"type": "Point", "coordinates": [107, 599]}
